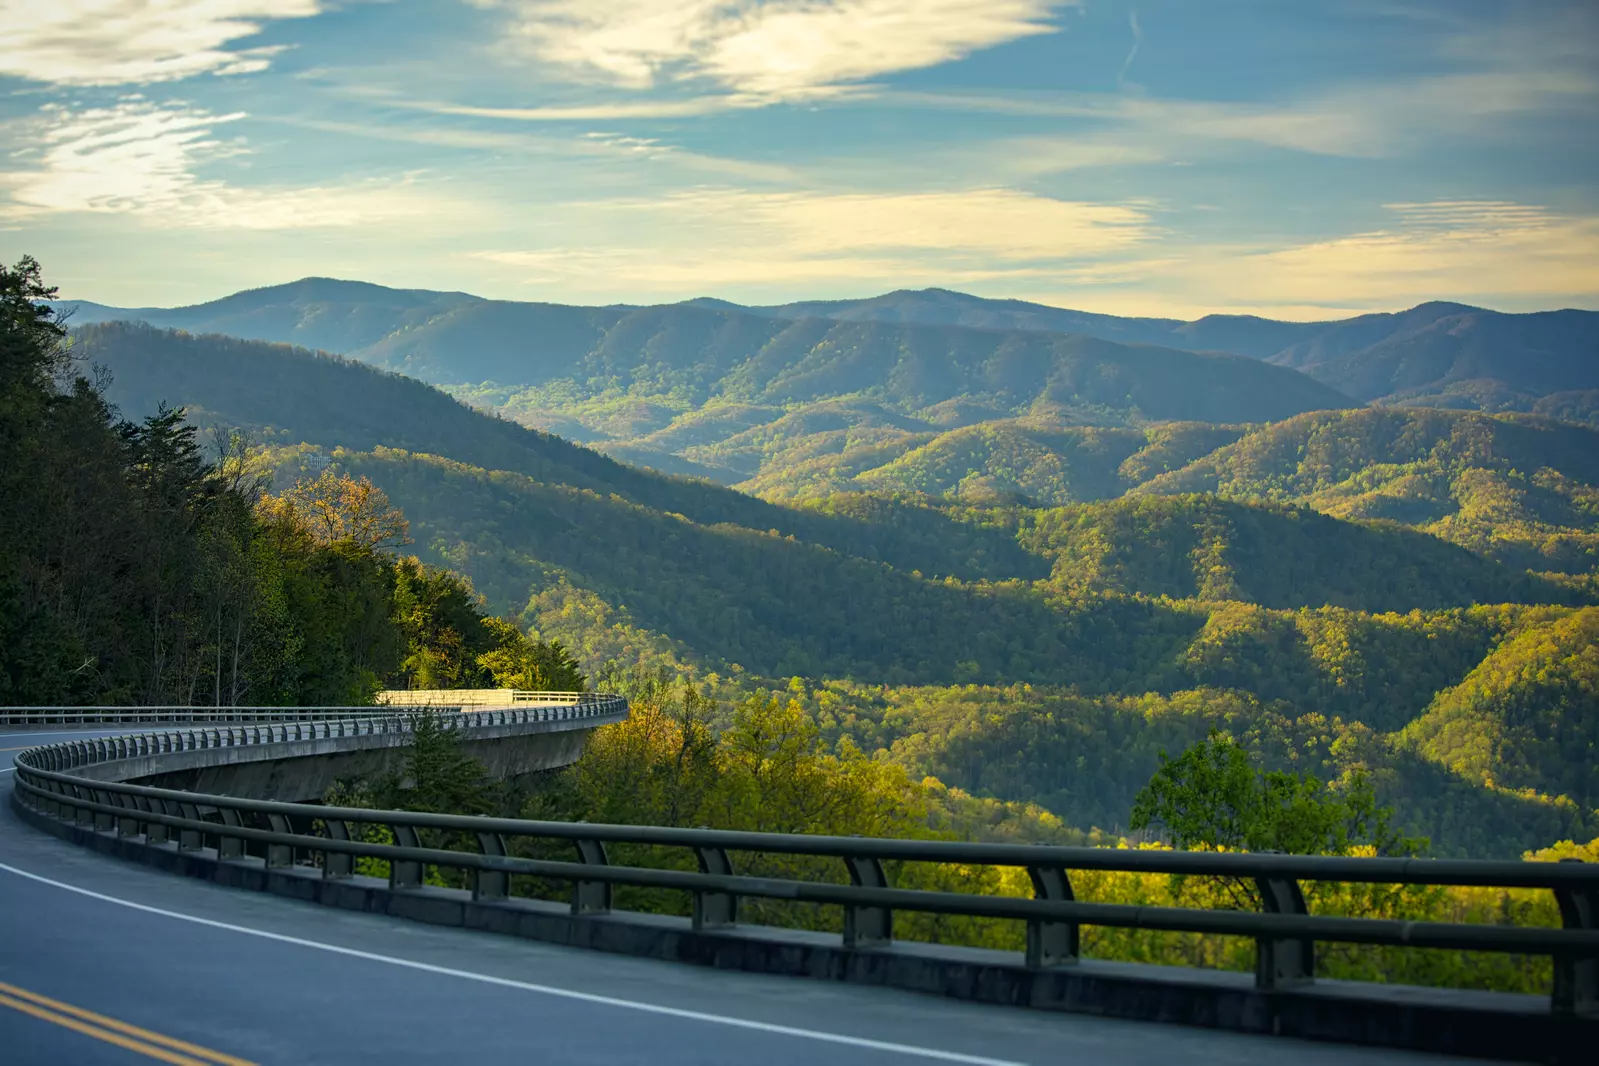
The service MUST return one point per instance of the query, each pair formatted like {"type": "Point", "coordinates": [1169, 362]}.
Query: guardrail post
{"type": "Point", "coordinates": [491, 884]}
{"type": "Point", "coordinates": [713, 908]}
{"type": "Point", "coordinates": [337, 865]}
{"type": "Point", "coordinates": [591, 897]}
{"type": "Point", "coordinates": [405, 873]}
{"type": "Point", "coordinates": [1576, 985]}
{"type": "Point", "coordinates": [190, 839]}
{"type": "Point", "coordinates": [127, 826]}
{"type": "Point", "coordinates": [1283, 962]}
{"type": "Point", "coordinates": [154, 832]}
{"type": "Point", "coordinates": [51, 804]}
{"type": "Point", "coordinates": [1051, 943]}
{"type": "Point", "coordinates": [230, 847]}
{"type": "Point", "coordinates": [279, 854]}
{"type": "Point", "coordinates": [866, 925]}
{"type": "Point", "coordinates": [102, 820]}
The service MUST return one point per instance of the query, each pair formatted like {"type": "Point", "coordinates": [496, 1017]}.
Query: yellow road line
{"type": "Point", "coordinates": [155, 1045]}
{"type": "Point", "coordinates": [101, 1034]}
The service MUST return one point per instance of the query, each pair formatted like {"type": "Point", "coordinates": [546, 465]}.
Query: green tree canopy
{"type": "Point", "coordinates": [1212, 797]}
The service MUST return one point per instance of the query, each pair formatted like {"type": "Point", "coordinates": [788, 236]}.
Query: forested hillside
{"type": "Point", "coordinates": [1186, 575]}
{"type": "Point", "coordinates": [291, 395]}
{"type": "Point", "coordinates": [1523, 490]}
{"type": "Point", "coordinates": [1006, 457]}
{"type": "Point", "coordinates": [136, 568]}
{"type": "Point", "coordinates": [1204, 547]}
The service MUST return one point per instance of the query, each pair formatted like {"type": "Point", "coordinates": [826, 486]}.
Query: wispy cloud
{"type": "Point", "coordinates": [1362, 120]}
{"type": "Point", "coordinates": [1504, 254]}
{"type": "Point", "coordinates": [692, 107]}
{"type": "Point", "coordinates": [120, 42]}
{"type": "Point", "coordinates": [144, 159]}
{"type": "Point", "coordinates": [685, 243]}
{"type": "Point", "coordinates": [771, 49]}
{"type": "Point", "coordinates": [1132, 53]}
{"type": "Point", "coordinates": [1465, 250]}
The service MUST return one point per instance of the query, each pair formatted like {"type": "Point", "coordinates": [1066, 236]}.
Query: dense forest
{"type": "Point", "coordinates": [135, 568]}
{"type": "Point", "coordinates": [1025, 614]}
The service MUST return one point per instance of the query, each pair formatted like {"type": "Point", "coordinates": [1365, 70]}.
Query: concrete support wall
{"type": "Point", "coordinates": [301, 770]}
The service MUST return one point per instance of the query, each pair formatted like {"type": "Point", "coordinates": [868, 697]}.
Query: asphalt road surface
{"type": "Point", "coordinates": [109, 962]}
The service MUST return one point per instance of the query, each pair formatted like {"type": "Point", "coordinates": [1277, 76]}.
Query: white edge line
{"type": "Point", "coordinates": [565, 993]}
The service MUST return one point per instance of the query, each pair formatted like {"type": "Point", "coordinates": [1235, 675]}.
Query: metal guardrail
{"type": "Point", "coordinates": [181, 715]}
{"type": "Point", "coordinates": [188, 714]}
{"type": "Point", "coordinates": [1285, 933]}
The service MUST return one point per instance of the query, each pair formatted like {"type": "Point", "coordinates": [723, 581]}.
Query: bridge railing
{"type": "Point", "coordinates": [306, 724]}
{"type": "Point", "coordinates": [1285, 934]}
{"type": "Point", "coordinates": [182, 715]}
{"type": "Point", "coordinates": [433, 701]}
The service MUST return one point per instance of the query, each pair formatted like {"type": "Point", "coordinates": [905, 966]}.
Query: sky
{"type": "Point", "coordinates": [1301, 159]}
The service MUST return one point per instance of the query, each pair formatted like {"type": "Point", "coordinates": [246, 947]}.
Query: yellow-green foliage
{"type": "Point", "coordinates": [1276, 555]}
{"type": "Point", "coordinates": [771, 769]}
{"type": "Point", "coordinates": [1515, 488]}
{"type": "Point", "coordinates": [1528, 716]}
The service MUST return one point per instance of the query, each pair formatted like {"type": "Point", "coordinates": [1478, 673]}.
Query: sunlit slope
{"type": "Point", "coordinates": [1520, 489]}
{"type": "Point", "coordinates": [1527, 717]}
{"type": "Point", "coordinates": [1276, 555]}
{"type": "Point", "coordinates": [1043, 464]}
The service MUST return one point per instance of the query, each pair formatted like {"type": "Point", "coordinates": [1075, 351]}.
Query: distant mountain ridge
{"type": "Point", "coordinates": [649, 383]}
{"type": "Point", "coordinates": [922, 390]}
{"type": "Point", "coordinates": [319, 313]}
{"type": "Point", "coordinates": [1434, 354]}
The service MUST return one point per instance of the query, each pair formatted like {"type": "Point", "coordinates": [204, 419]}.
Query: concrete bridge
{"type": "Point", "coordinates": [108, 960]}
{"type": "Point", "coordinates": [303, 768]}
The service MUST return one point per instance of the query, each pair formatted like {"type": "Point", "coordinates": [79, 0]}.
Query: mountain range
{"type": "Point", "coordinates": [1399, 589]}
{"type": "Point", "coordinates": [1372, 356]}
{"type": "Point", "coordinates": [798, 398]}
{"type": "Point", "coordinates": [1018, 547]}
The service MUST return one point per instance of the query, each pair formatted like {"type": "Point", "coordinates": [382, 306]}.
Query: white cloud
{"type": "Point", "coordinates": [772, 49]}
{"type": "Point", "coordinates": [1506, 255]}
{"type": "Point", "coordinates": [688, 243]}
{"type": "Point", "coordinates": [117, 42]}
{"type": "Point", "coordinates": [142, 159]}
{"type": "Point", "coordinates": [1464, 250]}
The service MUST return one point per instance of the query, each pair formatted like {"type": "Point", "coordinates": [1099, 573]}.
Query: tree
{"type": "Point", "coordinates": [445, 632]}
{"type": "Point", "coordinates": [439, 776]}
{"type": "Point", "coordinates": [517, 661]}
{"type": "Point", "coordinates": [337, 507]}
{"type": "Point", "coordinates": [1211, 797]}
{"type": "Point", "coordinates": [33, 355]}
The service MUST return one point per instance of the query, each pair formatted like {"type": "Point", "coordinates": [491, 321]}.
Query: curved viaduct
{"type": "Point", "coordinates": [111, 960]}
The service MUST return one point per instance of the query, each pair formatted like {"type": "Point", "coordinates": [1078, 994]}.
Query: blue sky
{"type": "Point", "coordinates": [1292, 158]}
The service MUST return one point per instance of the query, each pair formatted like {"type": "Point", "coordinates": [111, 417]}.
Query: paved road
{"type": "Point", "coordinates": [109, 962]}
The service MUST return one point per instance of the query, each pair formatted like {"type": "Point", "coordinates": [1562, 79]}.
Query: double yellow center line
{"type": "Point", "coordinates": [123, 1035]}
